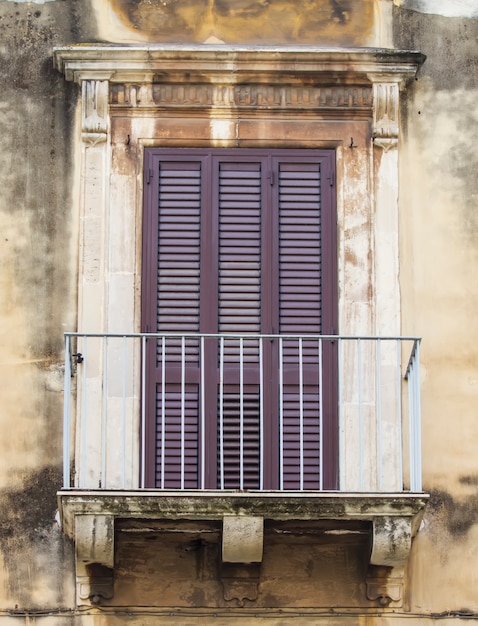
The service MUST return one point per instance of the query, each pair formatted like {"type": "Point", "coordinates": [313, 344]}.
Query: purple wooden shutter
{"type": "Point", "coordinates": [300, 299]}
{"type": "Point", "coordinates": [177, 311]}
{"type": "Point", "coordinates": [239, 309]}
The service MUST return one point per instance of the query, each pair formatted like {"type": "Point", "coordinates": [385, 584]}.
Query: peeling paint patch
{"type": "Point", "coordinates": [445, 8]}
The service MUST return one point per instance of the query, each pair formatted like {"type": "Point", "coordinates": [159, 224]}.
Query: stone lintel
{"type": "Point", "coordinates": [148, 63]}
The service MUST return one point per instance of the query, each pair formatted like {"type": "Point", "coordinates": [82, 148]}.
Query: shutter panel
{"type": "Point", "coordinates": [178, 292]}
{"type": "Point", "coordinates": [300, 299]}
{"type": "Point", "coordinates": [239, 308]}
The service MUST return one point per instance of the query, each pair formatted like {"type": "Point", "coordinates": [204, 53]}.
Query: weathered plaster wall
{"type": "Point", "coordinates": [37, 294]}
{"type": "Point", "coordinates": [439, 261]}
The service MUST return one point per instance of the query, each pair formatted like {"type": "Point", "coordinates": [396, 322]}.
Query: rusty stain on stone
{"type": "Point", "coordinates": [249, 21]}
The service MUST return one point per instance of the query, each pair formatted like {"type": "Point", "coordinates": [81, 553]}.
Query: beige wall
{"type": "Point", "coordinates": [38, 280]}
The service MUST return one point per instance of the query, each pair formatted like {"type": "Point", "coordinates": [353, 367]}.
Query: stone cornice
{"type": "Point", "coordinates": [233, 64]}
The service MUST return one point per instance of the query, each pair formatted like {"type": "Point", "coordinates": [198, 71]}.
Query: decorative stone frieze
{"type": "Point", "coordinates": [181, 95]}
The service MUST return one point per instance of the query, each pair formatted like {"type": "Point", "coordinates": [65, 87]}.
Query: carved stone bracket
{"type": "Point", "coordinates": [94, 122]}
{"type": "Point", "coordinates": [385, 113]}
{"type": "Point", "coordinates": [242, 548]}
{"type": "Point", "coordinates": [94, 543]}
{"type": "Point", "coordinates": [242, 539]}
{"type": "Point", "coordinates": [391, 544]}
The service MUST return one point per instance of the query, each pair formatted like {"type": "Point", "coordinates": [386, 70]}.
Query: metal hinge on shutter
{"type": "Point", "coordinates": [331, 179]}
{"type": "Point", "coordinates": [149, 176]}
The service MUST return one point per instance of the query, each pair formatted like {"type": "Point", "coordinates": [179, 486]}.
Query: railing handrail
{"type": "Point", "coordinates": [249, 336]}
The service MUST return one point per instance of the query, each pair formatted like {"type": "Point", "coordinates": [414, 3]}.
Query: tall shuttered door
{"type": "Point", "coordinates": [239, 241]}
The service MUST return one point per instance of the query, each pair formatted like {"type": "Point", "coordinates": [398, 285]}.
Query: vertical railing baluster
{"type": "Point", "coordinates": [301, 414]}
{"type": "Point", "coordinates": [321, 418]}
{"type": "Point", "coordinates": [183, 404]}
{"type": "Point", "coordinates": [411, 429]}
{"type": "Point", "coordinates": [82, 416]}
{"type": "Point", "coordinates": [143, 412]}
{"type": "Point", "coordinates": [261, 415]}
{"type": "Point", "coordinates": [163, 410]}
{"type": "Point", "coordinates": [417, 483]}
{"type": "Point", "coordinates": [360, 408]}
{"type": "Point", "coordinates": [241, 412]}
{"type": "Point", "coordinates": [123, 411]}
{"type": "Point", "coordinates": [378, 357]}
{"type": "Point", "coordinates": [281, 413]}
{"type": "Point", "coordinates": [340, 394]}
{"type": "Point", "coordinates": [221, 412]}
{"type": "Point", "coordinates": [67, 415]}
{"type": "Point", "coordinates": [203, 418]}
{"type": "Point", "coordinates": [399, 413]}
{"type": "Point", "coordinates": [104, 386]}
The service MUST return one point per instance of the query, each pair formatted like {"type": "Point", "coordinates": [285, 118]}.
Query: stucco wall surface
{"type": "Point", "coordinates": [439, 260]}
{"type": "Point", "coordinates": [37, 294]}
{"type": "Point", "coordinates": [38, 275]}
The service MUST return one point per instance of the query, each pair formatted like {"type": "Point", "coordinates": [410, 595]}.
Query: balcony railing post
{"type": "Point", "coordinates": [143, 413]}
{"type": "Point", "coordinates": [67, 414]}
{"type": "Point", "coordinates": [321, 417]}
{"type": "Point", "coordinates": [104, 388]}
{"type": "Point", "coordinates": [261, 413]}
{"type": "Point", "coordinates": [399, 412]}
{"type": "Point", "coordinates": [378, 374]}
{"type": "Point", "coordinates": [202, 473]}
{"type": "Point", "coordinates": [82, 415]}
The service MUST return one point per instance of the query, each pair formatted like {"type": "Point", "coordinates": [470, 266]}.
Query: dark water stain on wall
{"type": "Point", "coordinates": [448, 78]}
{"type": "Point", "coordinates": [34, 548]}
{"type": "Point", "coordinates": [37, 127]}
{"type": "Point", "coordinates": [458, 516]}
{"type": "Point", "coordinates": [318, 22]}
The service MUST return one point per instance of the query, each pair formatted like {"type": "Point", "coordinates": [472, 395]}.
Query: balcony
{"type": "Point", "coordinates": [240, 429]}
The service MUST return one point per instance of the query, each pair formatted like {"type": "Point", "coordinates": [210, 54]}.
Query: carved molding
{"type": "Point", "coordinates": [240, 582]}
{"type": "Point", "coordinates": [197, 95]}
{"type": "Point", "coordinates": [94, 120]}
{"type": "Point", "coordinates": [385, 114]}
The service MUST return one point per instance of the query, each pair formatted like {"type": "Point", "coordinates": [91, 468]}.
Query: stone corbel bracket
{"type": "Point", "coordinates": [94, 544]}
{"type": "Point", "coordinates": [391, 545]}
{"type": "Point", "coordinates": [242, 549]}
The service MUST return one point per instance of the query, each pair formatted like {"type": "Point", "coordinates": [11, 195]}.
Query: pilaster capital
{"type": "Point", "coordinates": [386, 99]}
{"type": "Point", "coordinates": [94, 112]}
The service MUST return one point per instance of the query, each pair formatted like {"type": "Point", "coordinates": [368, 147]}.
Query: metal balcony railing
{"type": "Point", "coordinates": [164, 411]}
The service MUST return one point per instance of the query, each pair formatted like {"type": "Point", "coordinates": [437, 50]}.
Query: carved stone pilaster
{"type": "Point", "coordinates": [385, 114]}
{"type": "Point", "coordinates": [94, 122]}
